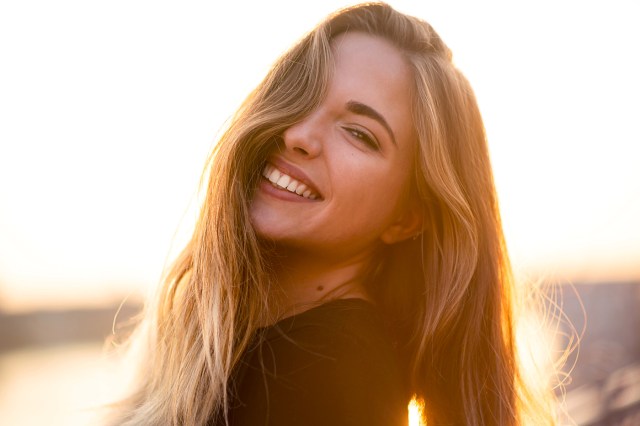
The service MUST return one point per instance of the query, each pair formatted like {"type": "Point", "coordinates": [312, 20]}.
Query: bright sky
{"type": "Point", "coordinates": [108, 111]}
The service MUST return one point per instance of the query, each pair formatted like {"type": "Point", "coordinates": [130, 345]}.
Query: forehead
{"type": "Point", "coordinates": [370, 70]}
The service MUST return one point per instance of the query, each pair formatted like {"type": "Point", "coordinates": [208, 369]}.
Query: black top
{"type": "Point", "coordinates": [331, 365]}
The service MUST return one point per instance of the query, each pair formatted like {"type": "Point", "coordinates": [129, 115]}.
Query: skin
{"type": "Point", "coordinates": [360, 168]}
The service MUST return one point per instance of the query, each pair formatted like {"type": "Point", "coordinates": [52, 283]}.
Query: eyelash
{"type": "Point", "coordinates": [363, 137]}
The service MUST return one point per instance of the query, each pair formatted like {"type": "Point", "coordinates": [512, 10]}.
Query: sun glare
{"type": "Point", "coordinates": [416, 412]}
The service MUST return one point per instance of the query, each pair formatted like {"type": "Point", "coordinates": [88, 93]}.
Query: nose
{"type": "Point", "coordinates": [304, 137]}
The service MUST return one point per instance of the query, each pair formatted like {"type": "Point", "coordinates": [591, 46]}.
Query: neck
{"type": "Point", "coordinates": [304, 280]}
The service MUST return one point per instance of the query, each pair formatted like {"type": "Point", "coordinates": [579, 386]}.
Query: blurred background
{"type": "Point", "coordinates": [109, 109]}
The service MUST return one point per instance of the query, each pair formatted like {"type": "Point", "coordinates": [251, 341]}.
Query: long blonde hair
{"type": "Point", "coordinates": [447, 296]}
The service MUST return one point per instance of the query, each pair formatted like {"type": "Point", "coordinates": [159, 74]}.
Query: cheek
{"type": "Point", "coordinates": [258, 215]}
{"type": "Point", "coordinates": [266, 217]}
{"type": "Point", "coordinates": [373, 200]}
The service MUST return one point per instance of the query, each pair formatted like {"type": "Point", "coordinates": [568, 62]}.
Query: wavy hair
{"type": "Point", "coordinates": [447, 296]}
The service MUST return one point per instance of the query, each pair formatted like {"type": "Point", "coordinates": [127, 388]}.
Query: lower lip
{"type": "Point", "coordinates": [282, 194]}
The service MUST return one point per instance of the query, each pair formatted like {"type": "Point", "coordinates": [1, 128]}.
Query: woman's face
{"type": "Point", "coordinates": [335, 185]}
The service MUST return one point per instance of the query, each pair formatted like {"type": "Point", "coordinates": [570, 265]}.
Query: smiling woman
{"type": "Point", "coordinates": [348, 254]}
{"type": "Point", "coordinates": [346, 153]}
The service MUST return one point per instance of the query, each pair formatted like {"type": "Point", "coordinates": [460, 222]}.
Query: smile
{"type": "Point", "coordinates": [286, 182]}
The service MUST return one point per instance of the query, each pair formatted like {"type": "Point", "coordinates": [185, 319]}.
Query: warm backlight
{"type": "Point", "coordinates": [416, 412]}
{"type": "Point", "coordinates": [104, 135]}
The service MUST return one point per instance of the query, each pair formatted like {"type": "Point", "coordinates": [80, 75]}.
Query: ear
{"type": "Point", "coordinates": [408, 225]}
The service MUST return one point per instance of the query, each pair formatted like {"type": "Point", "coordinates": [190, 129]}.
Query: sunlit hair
{"type": "Point", "coordinates": [447, 296]}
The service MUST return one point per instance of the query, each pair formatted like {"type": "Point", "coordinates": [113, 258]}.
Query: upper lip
{"type": "Point", "coordinates": [295, 173]}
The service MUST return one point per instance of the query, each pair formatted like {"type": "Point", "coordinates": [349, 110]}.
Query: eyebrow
{"type": "Point", "coordinates": [362, 109]}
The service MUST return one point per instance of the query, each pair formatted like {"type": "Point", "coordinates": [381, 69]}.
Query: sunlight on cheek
{"type": "Point", "coordinates": [416, 412]}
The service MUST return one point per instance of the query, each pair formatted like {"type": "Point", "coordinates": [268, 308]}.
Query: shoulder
{"type": "Point", "coordinates": [334, 362]}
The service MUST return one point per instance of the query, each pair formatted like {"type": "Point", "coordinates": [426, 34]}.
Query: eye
{"type": "Point", "coordinates": [363, 137]}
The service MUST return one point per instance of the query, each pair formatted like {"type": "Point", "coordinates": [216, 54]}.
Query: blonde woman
{"type": "Point", "coordinates": [348, 254]}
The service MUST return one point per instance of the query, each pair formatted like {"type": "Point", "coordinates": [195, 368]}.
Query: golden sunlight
{"type": "Point", "coordinates": [569, 203]}
{"type": "Point", "coordinates": [416, 412]}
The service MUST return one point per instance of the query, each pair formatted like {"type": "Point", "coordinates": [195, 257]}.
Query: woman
{"type": "Point", "coordinates": [349, 251]}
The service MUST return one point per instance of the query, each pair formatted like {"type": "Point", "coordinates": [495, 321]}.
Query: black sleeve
{"type": "Point", "coordinates": [319, 377]}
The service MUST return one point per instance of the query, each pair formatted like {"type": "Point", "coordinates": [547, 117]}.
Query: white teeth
{"type": "Point", "coordinates": [274, 176]}
{"type": "Point", "coordinates": [301, 188]}
{"type": "Point", "coordinates": [284, 181]}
